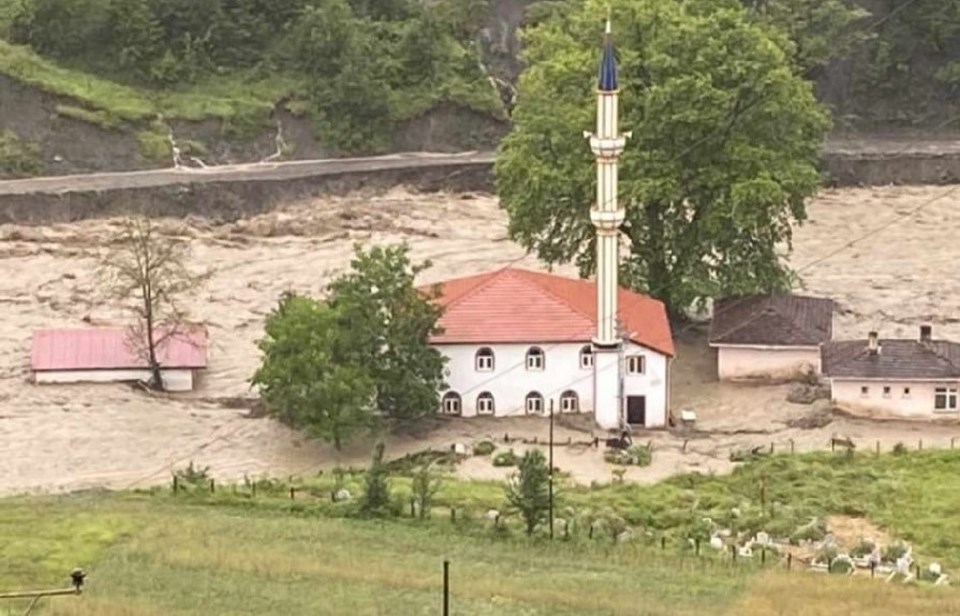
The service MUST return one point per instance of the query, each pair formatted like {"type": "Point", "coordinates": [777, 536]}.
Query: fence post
{"type": "Point", "coordinates": [212, 487]}
{"type": "Point", "coordinates": [733, 552]}
{"type": "Point", "coordinates": [453, 514]}
{"type": "Point", "coordinates": [763, 555]}
{"type": "Point", "coordinates": [293, 493]}
{"type": "Point", "coordinates": [791, 446]}
{"type": "Point", "coordinates": [789, 560]}
{"type": "Point", "coordinates": [446, 588]}
{"type": "Point", "coordinates": [696, 546]}
{"type": "Point", "coordinates": [771, 447]}
{"type": "Point", "coordinates": [663, 542]}
{"type": "Point", "coordinates": [878, 448]}
{"type": "Point", "coordinates": [873, 569]}
{"type": "Point", "coordinates": [176, 484]}
{"type": "Point", "coordinates": [920, 445]}
{"type": "Point", "coordinates": [413, 508]}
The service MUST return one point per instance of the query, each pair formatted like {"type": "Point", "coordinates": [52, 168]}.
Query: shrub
{"type": "Point", "coordinates": [899, 449]}
{"type": "Point", "coordinates": [426, 483]}
{"type": "Point", "coordinates": [826, 555]}
{"type": "Point", "coordinates": [527, 490]}
{"type": "Point", "coordinates": [193, 475]}
{"type": "Point", "coordinates": [841, 565]}
{"type": "Point", "coordinates": [376, 490]}
{"type": "Point", "coordinates": [412, 462]}
{"type": "Point", "coordinates": [815, 530]}
{"type": "Point", "coordinates": [637, 455]}
{"type": "Point", "coordinates": [506, 458]}
{"type": "Point", "coordinates": [894, 551]}
{"type": "Point", "coordinates": [863, 548]}
{"type": "Point", "coordinates": [484, 448]}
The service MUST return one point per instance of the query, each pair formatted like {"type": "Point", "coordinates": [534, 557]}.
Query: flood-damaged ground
{"type": "Point", "coordinates": [886, 254]}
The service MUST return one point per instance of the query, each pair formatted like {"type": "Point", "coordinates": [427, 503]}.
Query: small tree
{"type": "Point", "coordinates": [528, 489]}
{"type": "Point", "coordinates": [426, 484]}
{"type": "Point", "coordinates": [148, 271]}
{"type": "Point", "coordinates": [376, 488]}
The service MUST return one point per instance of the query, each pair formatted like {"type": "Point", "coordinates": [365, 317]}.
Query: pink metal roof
{"type": "Point", "coordinates": [107, 348]}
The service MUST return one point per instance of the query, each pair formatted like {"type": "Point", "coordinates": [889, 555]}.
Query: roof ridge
{"type": "Point", "coordinates": [565, 301]}
{"type": "Point", "coordinates": [490, 277]}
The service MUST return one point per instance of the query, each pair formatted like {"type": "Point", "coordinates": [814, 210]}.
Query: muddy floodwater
{"type": "Point", "coordinates": [886, 254]}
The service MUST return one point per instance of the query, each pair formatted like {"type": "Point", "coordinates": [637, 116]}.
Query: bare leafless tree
{"type": "Point", "coordinates": [148, 272]}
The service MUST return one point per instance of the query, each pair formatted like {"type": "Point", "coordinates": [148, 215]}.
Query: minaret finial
{"type": "Point", "coordinates": [608, 64]}
{"type": "Point", "coordinates": [609, 28]}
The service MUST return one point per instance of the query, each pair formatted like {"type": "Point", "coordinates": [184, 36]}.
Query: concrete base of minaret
{"type": "Point", "coordinates": [606, 387]}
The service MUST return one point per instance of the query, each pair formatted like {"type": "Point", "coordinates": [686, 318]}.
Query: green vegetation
{"type": "Point", "coordinates": [527, 490]}
{"type": "Point", "coordinates": [199, 552]}
{"type": "Point", "coordinates": [339, 366]}
{"type": "Point", "coordinates": [18, 158]}
{"type": "Point", "coordinates": [357, 68]}
{"type": "Point", "coordinates": [637, 455]}
{"type": "Point", "coordinates": [718, 194]}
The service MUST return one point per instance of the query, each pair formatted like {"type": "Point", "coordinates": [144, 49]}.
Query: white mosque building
{"type": "Point", "coordinates": [519, 341]}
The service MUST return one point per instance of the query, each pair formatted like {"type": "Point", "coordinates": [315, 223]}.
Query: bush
{"type": "Point", "coordinates": [863, 548]}
{"type": "Point", "coordinates": [426, 483]}
{"type": "Point", "coordinates": [484, 448]}
{"type": "Point", "coordinates": [527, 491]}
{"type": "Point", "coordinates": [506, 458]}
{"type": "Point", "coordinates": [899, 449]}
{"type": "Point", "coordinates": [376, 490]}
{"type": "Point", "coordinates": [816, 530]}
{"type": "Point", "coordinates": [826, 555]}
{"type": "Point", "coordinates": [193, 476]}
{"type": "Point", "coordinates": [894, 551]}
{"type": "Point", "coordinates": [637, 455]}
{"type": "Point", "coordinates": [841, 565]}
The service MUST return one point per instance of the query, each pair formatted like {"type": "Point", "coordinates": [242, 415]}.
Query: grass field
{"type": "Point", "coordinates": [147, 556]}
{"type": "Point", "coordinates": [154, 553]}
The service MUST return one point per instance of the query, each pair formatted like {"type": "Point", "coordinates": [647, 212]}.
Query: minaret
{"type": "Point", "coordinates": [607, 144]}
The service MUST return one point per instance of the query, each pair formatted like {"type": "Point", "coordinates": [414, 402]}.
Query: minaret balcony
{"type": "Point", "coordinates": [607, 147]}
{"type": "Point", "coordinates": [609, 220]}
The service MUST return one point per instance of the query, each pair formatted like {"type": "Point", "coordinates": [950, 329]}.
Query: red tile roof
{"type": "Point", "coordinates": [517, 305]}
{"type": "Point", "coordinates": [107, 348]}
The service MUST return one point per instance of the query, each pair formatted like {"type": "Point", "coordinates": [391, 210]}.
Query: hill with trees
{"type": "Point", "coordinates": [102, 84]}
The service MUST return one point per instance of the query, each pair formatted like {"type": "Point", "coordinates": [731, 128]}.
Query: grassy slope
{"type": "Point", "coordinates": [154, 555]}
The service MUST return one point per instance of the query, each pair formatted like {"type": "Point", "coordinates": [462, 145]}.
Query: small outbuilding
{"type": "Point", "coordinates": [917, 377]}
{"type": "Point", "coordinates": [770, 336]}
{"type": "Point", "coordinates": [104, 355]}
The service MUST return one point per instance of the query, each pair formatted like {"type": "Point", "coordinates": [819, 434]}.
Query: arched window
{"type": "Point", "coordinates": [636, 364]}
{"type": "Point", "coordinates": [535, 358]}
{"type": "Point", "coordinates": [534, 402]}
{"type": "Point", "coordinates": [451, 403]}
{"type": "Point", "coordinates": [485, 404]}
{"type": "Point", "coordinates": [484, 359]}
{"type": "Point", "coordinates": [586, 357]}
{"type": "Point", "coordinates": [569, 402]}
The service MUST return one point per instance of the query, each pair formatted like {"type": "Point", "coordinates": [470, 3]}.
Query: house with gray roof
{"type": "Point", "coordinates": [770, 336]}
{"type": "Point", "coordinates": [910, 377]}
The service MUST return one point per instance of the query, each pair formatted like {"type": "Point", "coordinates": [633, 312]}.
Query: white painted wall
{"type": "Point", "coordinates": [510, 381]}
{"type": "Point", "coordinates": [174, 380]}
{"type": "Point", "coordinates": [774, 362]}
{"type": "Point", "coordinates": [918, 403]}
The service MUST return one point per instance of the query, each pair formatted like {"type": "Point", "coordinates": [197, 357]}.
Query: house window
{"type": "Point", "coordinates": [906, 392]}
{"type": "Point", "coordinates": [569, 402]}
{"type": "Point", "coordinates": [451, 403]}
{"type": "Point", "coordinates": [864, 391]}
{"type": "Point", "coordinates": [485, 403]}
{"type": "Point", "coordinates": [484, 359]}
{"type": "Point", "coordinates": [586, 357]}
{"type": "Point", "coordinates": [534, 402]}
{"type": "Point", "coordinates": [886, 391]}
{"type": "Point", "coordinates": [636, 364]}
{"type": "Point", "coordinates": [945, 399]}
{"type": "Point", "coordinates": [535, 358]}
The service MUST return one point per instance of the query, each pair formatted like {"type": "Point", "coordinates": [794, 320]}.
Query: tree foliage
{"type": "Point", "coordinates": [148, 271]}
{"type": "Point", "coordinates": [725, 146]}
{"type": "Point", "coordinates": [528, 489]}
{"type": "Point", "coordinates": [363, 64]}
{"type": "Point", "coordinates": [376, 487]}
{"type": "Point", "coordinates": [337, 367]}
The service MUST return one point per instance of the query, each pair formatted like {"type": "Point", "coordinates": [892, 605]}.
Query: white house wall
{"type": "Point", "coordinates": [747, 361]}
{"type": "Point", "coordinates": [174, 380]}
{"type": "Point", "coordinates": [918, 403]}
{"type": "Point", "coordinates": [510, 381]}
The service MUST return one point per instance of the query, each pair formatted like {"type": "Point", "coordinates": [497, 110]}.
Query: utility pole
{"type": "Point", "coordinates": [446, 588]}
{"type": "Point", "coordinates": [550, 476]}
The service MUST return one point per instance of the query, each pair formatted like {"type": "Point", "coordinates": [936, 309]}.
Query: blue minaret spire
{"type": "Point", "coordinates": [608, 64]}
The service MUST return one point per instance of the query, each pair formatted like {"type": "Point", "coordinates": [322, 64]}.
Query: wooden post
{"type": "Point", "coordinates": [733, 551]}
{"type": "Point", "coordinates": [791, 446]}
{"type": "Point", "coordinates": [212, 487]}
{"type": "Point", "coordinates": [763, 555]}
{"type": "Point", "coordinates": [920, 445]}
{"type": "Point", "coordinates": [663, 542]}
{"type": "Point", "coordinates": [696, 546]}
{"type": "Point", "coordinates": [873, 569]}
{"type": "Point", "coordinates": [453, 514]}
{"type": "Point", "coordinates": [878, 448]}
{"type": "Point", "coordinates": [176, 484]}
{"type": "Point", "coordinates": [293, 493]}
{"type": "Point", "coordinates": [789, 560]}
{"type": "Point", "coordinates": [413, 508]}
{"type": "Point", "coordinates": [590, 534]}
{"type": "Point", "coordinates": [771, 447]}
{"type": "Point", "coordinates": [446, 588]}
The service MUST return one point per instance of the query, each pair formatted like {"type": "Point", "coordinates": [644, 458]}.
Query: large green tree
{"type": "Point", "coordinates": [726, 140]}
{"type": "Point", "coordinates": [338, 367]}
